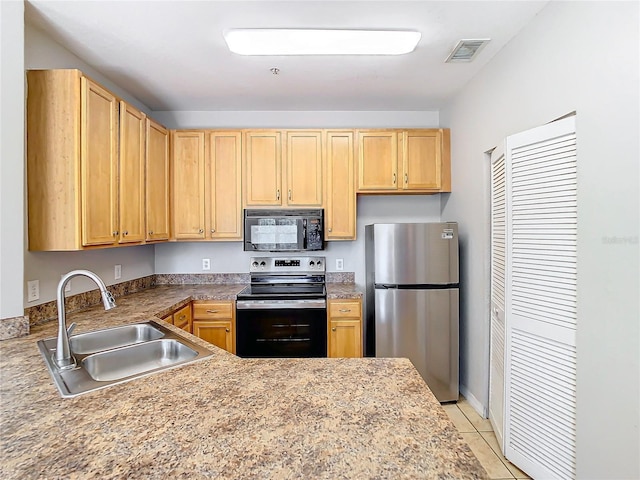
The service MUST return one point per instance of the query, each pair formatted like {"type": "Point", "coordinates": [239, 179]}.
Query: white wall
{"type": "Point", "coordinates": [228, 257]}
{"type": "Point", "coordinates": [11, 158]}
{"type": "Point", "coordinates": [41, 52]}
{"type": "Point", "coordinates": [580, 56]}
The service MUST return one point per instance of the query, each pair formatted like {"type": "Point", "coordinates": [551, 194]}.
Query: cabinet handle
{"type": "Point", "coordinates": [394, 178]}
{"type": "Point", "coordinates": [182, 317]}
{"type": "Point", "coordinates": [151, 232]}
{"type": "Point", "coordinates": [333, 329]}
{"type": "Point", "coordinates": [345, 310]}
{"type": "Point", "coordinates": [213, 311]}
{"type": "Point", "coordinates": [201, 231]}
{"type": "Point", "coordinates": [115, 234]}
{"type": "Point", "coordinates": [213, 230]}
{"type": "Point", "coordinates": [289, 194]}
{"type": "Point", "coordinates": [330, 229]}
{"type": "Point", "coordinates": [406, 178]}
{"type": "Point", "coordinates": [278, 194]}
{"type": "Point", "coordinates": [227, 330]}
{"type": "Point", "coordinates": [126, 232]}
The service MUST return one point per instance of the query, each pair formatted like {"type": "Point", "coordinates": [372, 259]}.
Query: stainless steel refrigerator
{"type": "Point", "coordinates": [412, 299]}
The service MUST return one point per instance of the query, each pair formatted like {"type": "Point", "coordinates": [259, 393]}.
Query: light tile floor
{"type": "Point", "coordinates": [478, 433]}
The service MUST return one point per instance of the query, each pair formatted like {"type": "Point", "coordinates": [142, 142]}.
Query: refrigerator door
{"type": "Point", "coordinates": [415, 253]}
{"type": "Point", "coordinates": [423, 326]}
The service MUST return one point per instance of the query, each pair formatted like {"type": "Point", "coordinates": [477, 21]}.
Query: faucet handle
{"type": "Point", "coordinates": [71, 328]}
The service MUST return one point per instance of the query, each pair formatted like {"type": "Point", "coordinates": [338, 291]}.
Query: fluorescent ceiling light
{"type": "Point", "coordinates": [262, 41]}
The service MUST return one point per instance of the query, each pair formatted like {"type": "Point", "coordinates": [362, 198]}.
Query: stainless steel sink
{"type": "Point", "coordinates": [117, 355]}
{"type": "Point", "coordinates": [100, 340]}
{"type": "Point", "coordinates": [124, 362]}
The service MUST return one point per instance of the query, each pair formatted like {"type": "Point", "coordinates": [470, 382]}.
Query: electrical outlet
{"type": "Point", "coordinates": [117, 272]}
{"type": "Point", "coordinates": [33, 289]}
{"type": "Point", "coordinates": [339, 264]}
{"type": "Point", "coordinates": [206, 264]}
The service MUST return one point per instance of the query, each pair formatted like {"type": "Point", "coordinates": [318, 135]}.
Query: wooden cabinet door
{"type": "Point", "coordinates": [421, 160]}
{"type": "Point", "coordinates": [224, 185]}
{"type": "Point", "coordinates": [98, 164]}
{"type": "Point", "coordinates": [340, 197]}
{"type": "Point", "coordinates": [131, 175]}
{"type": "Point", "coordinates": [345, 339]}
{"type": "Point", "coordinates": [217, 332]}
{"type": "Point", "coordinates": [262, 168]}
{"type": "Point", "coordinates": [188, 175]}
{"type": "Point", "coordinates": [157, 182]}
{"type": "Point", "coordinates": [377, 160]}
{"type": "Point", "coordinates": [304, 168]}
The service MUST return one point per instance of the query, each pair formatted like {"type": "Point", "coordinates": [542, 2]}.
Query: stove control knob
{"type": "Point", "coordinates": [311, 264]}
{"type": "Point", "coordinates": [319, 263]}
{"type": "Point", "coordinates": [254, 264]}
{"type": "Point", "coordinates": [263, 264]}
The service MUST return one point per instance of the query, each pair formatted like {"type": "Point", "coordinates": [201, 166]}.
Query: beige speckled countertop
{"type": "Point", "coordinates": [224, 417]}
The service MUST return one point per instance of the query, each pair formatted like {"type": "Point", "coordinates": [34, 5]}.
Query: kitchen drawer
{"type": "Point", "coordinates": [213, 310]}
{"type": "Point", "coordinates": [182, 318]}
{"type": "Point", "coordinates": [345, 309]}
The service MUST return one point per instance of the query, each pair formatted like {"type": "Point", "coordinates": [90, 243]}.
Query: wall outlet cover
{"type": "Point", "coordinates": [33, 290]}
{"type": "Point", "coordinates": [206, 264]}
{"type": "Point", "coordinates": [339, 264]}
{"type": "Point", "coordinates": [117, 272]}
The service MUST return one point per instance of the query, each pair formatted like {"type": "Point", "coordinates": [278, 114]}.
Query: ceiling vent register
{"type": "Point", "coordinates": [466, 50]}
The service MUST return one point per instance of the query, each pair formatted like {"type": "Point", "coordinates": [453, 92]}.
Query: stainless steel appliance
{"type": "Point", "coordinates": [290, 230]}
{"type": "Point", "coordinates": [283, 312]}
{"type": "Point", "coordinates": [412, 299]}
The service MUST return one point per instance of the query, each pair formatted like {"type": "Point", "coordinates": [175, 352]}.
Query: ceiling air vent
{"type": "Point", "coordinates": [466, 50]}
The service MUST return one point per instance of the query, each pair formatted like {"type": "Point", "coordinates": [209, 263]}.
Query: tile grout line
{"type": "Point", "coordinates": [499, 455]}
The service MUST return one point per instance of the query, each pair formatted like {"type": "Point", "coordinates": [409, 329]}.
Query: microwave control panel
{"type": "Point", "coordinates": [314, 234]}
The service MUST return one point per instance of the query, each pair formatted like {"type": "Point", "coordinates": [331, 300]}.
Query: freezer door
{"type": "Point", "coordinates": [423, 326]}
{"type": "Point", "coordinates": [415, 253]}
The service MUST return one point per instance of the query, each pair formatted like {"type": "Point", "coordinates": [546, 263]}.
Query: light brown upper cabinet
{"type": "Point", "coordinates": [188, 181]}
{"type": "Point", "coordinates": [262, 168]}
{"type": "Point", "coordinates": [157, 182]}
{"type": "Point", "coordinates": [296, 182]}
{"type": "Point", "coordinates": [340, 195]}
{"type": "Point", "coordinates": [72, 162]}
{"type": "Point", "coordinates": [304, 168]}
{"type": "Point", "coordinates": [404, 161]}
{"type": "Point", "coordinates": [224, 185]}
{"type": "Point", "coordinates": [132, 175]}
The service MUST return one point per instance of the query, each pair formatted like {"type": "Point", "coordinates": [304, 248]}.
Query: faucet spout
{"type": "Point", "coordinates": [63, 358]}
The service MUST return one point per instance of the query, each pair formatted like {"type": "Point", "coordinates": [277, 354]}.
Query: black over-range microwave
{"type": "Point", "coordinates": [293, 230]}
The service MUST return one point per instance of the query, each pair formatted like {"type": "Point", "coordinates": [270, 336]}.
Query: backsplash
{"type": "Point", "coordinates": [49, 311]}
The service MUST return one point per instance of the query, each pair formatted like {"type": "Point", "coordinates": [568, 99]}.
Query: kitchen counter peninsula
{"type": "Point", "coordinates": [224, 417]}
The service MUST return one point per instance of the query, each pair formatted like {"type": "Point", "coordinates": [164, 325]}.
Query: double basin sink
{"type": "Point", "coordinates": [116, 355]}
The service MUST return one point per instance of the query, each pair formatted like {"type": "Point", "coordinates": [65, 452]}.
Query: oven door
{"type": "Point", "coordinates": [281, 328]}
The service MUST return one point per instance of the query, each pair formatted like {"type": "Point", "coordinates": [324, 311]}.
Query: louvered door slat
{"type": "Point", "coordinates": [540, 300]}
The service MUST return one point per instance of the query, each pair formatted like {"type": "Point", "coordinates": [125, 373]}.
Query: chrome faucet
{"type": "Point", "coordinates": [63, 358]}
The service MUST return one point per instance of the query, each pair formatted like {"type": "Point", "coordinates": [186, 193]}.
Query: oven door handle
{"type": "Point", "coordinates": [280, 304]}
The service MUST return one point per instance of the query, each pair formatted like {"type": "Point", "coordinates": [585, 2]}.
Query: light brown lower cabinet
{"type": "Point", "coordinates": [344, 325]}
{"type": "Point", "coordinates": [214, 322]}
{"type": "Point", "coordinates": [183, 318]}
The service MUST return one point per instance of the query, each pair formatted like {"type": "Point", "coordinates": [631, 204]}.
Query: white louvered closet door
{"type": "Point", "coordinates": [498, 273]}
{"type": "Point", "coordinates": [541, 316]}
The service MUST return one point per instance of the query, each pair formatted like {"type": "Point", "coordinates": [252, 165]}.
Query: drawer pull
{"type": "Point", "coordinates": [182, 317]}
{"type": "Point", "coordinates": [344, 310]}
{"type": "Point", "coordinates": [213, 311]}
{"type": "Point", "coordinates": [227, 330]}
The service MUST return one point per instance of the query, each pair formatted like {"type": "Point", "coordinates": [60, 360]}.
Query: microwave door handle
{"type": "Point", "coordinates": [304, 234]}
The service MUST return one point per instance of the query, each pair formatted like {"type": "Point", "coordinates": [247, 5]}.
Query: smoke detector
{"type": "Point", "coordinates": [466, 50]}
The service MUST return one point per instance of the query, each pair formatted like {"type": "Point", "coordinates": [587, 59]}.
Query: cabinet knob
{"type": "Point", "coordinates": [213, 230]}
{"type": "Point", "coordinates": [394, 178]}
{"type": "Point", "coordinates": [227, 330]}
{"type": "Point", "coordinates": [333, 329]}
{"type": "Point", "coordinates": [126, 232]}
{"type": "Point", "coordinates": [330, 229]}
{"type": "Point", "coordinates": [151, 232]}
{"type": "Point", "coordinates": [115, 234]}
{"type": "Point", "coordinates": [201, 231]}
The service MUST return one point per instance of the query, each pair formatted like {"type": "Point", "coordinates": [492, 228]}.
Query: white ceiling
{"type": "Point", "coordinates": [171, 55]}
